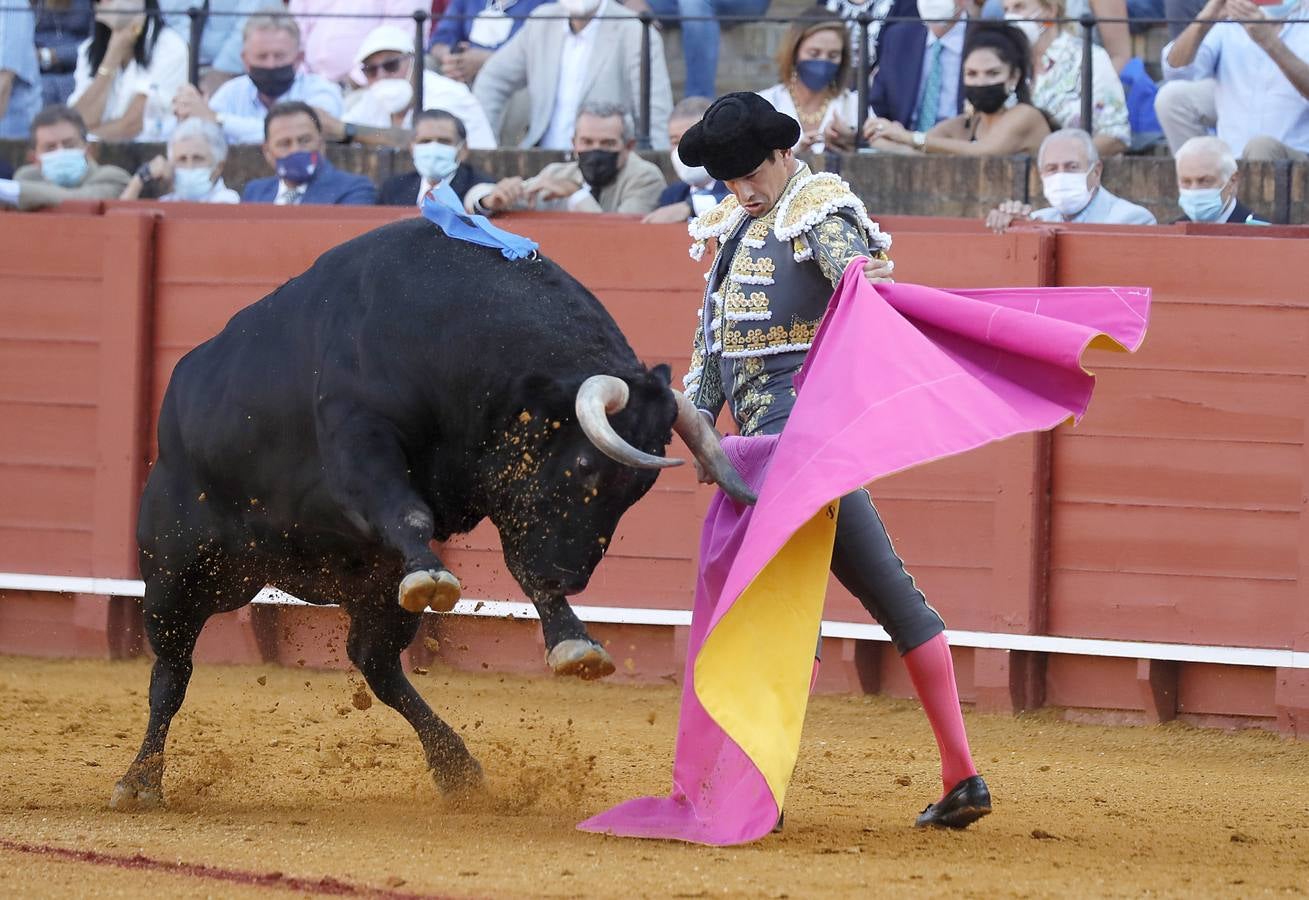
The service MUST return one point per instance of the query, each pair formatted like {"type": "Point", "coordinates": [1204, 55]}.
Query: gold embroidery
{"type": "Point", "coordinates": [753, 397]}
{"type": "Point", "coordinates": [736, 303]}
{"type": "Point", "coordinates": [775, 339]}
{"type": "Point", "coordinates": [749, 267]}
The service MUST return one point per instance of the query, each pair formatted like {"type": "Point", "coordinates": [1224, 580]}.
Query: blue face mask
{"type": "Point", "coordinates": [816, 74]}
{"type": "Point", "coordinates": [193, 184]}
{"type": "Point", "coordinates": [1201, 204]}
{"type": "Point", "coordinates": [435, 162]}
{"type": "Point", "coordinates": [298, 167]}
{"type": "Point", "coordinates": [65, 167]}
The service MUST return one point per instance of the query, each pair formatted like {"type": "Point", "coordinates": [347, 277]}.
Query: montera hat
{"type": "Point", "coordinates": [736, 134]}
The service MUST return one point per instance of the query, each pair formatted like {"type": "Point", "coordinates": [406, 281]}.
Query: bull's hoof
{"type": "Point", "coordinates": [579, 657]}
{"type": "Point", "coordinates": [141, 788]}
{"type": "Point", "coordinates": [436, 588]}
{"type": "Point", "coordinates": [461, 783]}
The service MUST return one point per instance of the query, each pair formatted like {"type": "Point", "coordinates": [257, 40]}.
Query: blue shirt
{"type": "Point", "coordinates": [451, 29]}
{"type": "Point", "coordinates": [1104, 209]}
{"type": "Point", "coordinates": [220, 45]}
{"type": "Point", "coordinates": [1252, 95]}
{"type": "Point", "coordinates": [18, 55]}
{"type": "Point", "coordinates": [242, 113]}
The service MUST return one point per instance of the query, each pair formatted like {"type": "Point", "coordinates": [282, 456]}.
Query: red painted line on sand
{"type": "Point", "coordinates": [276, 880]}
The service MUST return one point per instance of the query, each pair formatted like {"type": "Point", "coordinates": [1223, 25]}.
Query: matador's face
{"type": "Point", "coordinates": [759, 191]}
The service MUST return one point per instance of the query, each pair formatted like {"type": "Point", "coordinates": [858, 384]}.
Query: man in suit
{"type": "Point", "coordinates": [440, 153]}
{"type": "Point", "coordinates": [1207, 182]}
{"type": "Point", "coordinates": [594, 56]}
{"type": "Point", "coordinates": [695, 191]}
{"type": "Point", "coordinates": [919, 79]}
{"type": "Point", "coordinates": [605, 176]}
{"type": "Point", "coordinates": [293, 146]}
{"type": "Point", "coordinates": [60, 169]}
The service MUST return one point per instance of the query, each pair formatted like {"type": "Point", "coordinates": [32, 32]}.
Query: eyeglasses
{"type": "Point", "coordinates": [390, 66]}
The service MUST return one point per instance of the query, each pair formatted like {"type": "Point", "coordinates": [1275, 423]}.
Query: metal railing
{"type": "Point", "coordinates": [862, 28]}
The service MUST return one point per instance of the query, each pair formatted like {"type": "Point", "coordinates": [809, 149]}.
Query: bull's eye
{"type": "Point", "coordinates": [585, 466]}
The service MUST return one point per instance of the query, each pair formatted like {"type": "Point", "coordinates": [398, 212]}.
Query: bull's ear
{"type": "Point", "coordinates": [663, 373]}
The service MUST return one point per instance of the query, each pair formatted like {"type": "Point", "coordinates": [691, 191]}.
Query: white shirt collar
{"type": "Point", "coordinates": [953, 37]}
{"type": "Point", "coordinates": [590, 27]}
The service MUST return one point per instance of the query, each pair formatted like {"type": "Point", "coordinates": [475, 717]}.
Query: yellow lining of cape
{"type": "Point", "coordinates": [753, 672]}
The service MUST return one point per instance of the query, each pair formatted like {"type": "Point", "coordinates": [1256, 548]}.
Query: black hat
{"type": "Point", "coordinates": [736, 134]}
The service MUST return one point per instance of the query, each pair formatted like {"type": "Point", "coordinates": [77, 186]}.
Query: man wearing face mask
{"type": "Point", "coordinates": [440, 153]}
{"type": "Point", "coordinates": [695, 191]}
{"type": "Point", "coordinates": [1207, 182]}
{"type": "Point", "coordinates": [192, 171]}
{"type": "Point", "coordinates": [60, 169]}
{"type": "Point", "coordinates": [272, 57]}
{"type": "Point", "coordinates": [293, 146]}
{"type": "Point", "coordinates": [1070, 170]}
{"type": "Point", "coordinates": [593, 56]}
{"type": "Point", "coordinates": [386, 59]}
{"type": "Point", "coordinates": [606, 175]}
{"type": "Point", "coordinates": [919, 79]}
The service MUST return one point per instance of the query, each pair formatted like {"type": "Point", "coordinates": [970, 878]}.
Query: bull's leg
{"type": "Point", "coordinates": [369, 475]}
{"type": "Point", "coordinates": [570, 650]}
{"type": "Point", "coordinates": [378, 633]}
{"type": "Point", "coordinates": [172, 624]}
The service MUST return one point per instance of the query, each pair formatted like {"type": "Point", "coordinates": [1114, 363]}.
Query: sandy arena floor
{"type": "Point", "coordinates": [278, 787]}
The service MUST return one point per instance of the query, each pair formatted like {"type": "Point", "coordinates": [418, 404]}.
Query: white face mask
{"type": "Point", "coordinates": [1030, 27]}
{"type": "Point", "coordinates": [392, 94]}
{"type": "Point", "coordinates": [695, 176]}
{"type": "Point", "coordinates": [580, 8]}
{"type": "Point", "coordinates": [1067, 192]}
{"type": "Point", "coordinates": [936, 9]}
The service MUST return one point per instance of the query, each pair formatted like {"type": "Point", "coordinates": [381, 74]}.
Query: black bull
{"type": "Point", "coordinates": [401, 390]}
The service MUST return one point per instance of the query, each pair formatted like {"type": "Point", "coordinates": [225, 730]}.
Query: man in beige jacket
{"type": "Point", "coordinates": [604, 176]}
{"type": "Point", "coordinates": [592, 56]}
{"type": "Point", "coordinates": [61, 169]}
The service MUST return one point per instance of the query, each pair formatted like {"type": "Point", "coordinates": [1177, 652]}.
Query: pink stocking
{"type": "Point", "coordinates": [932, 672]}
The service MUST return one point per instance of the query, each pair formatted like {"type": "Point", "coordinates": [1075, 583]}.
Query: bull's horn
{"type": "Point", "coordinates": [694, 428]}
{"type": "Point", "coordinates": [599, 397]}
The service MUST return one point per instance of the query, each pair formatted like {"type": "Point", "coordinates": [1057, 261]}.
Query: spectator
{"type": "Point", "coordinates": [1257, 99]}
{"type": "Point", "coordinates": [20, 73]}
{"type": "Point", "coordinates": [386, 59]}
{"type": "Point", "coordinates": [592, 57]}
{"type": "Point", "coordinates": [814, 62]}
{"type": "Point", "coordinates": [63, 170]}
{"type": "Point", "coordinates": [330, 43]}
{"type": "Point", "coordinates": [1057, 75]}
{"type": "Point", "coordinates": [695, 191]}
{"type": "Point", "coordinates": [293, 146]}
{"type": "Point", "coordinates": [128, 71]}
{"type": "Point", "coordinates": [1002, 120]}
{"type": "Point", "coordinates": [919, 78]}
{"type": "Point", "coordinates": [849, 11]}
{"type": "Point", "coordinates": [1180, 13]}
{"type": "Point", "coordinates": [1070, 170]}
{"type": "Point", "coordinates": [606, 176]}
{"type": "Point", "coordinates": [471, 30]}
{"type": "Point", "coordinates": [701, 35]}
{"type": "Point", "coordinates": [193, 169]}
{"type": "Point", "coordinates": [60, 29]}
{"type": "Point", "coordinates": [1207, 182]}
{"type": "Point", "coordinates": [221, 41]}
{"type": "Point", "coordinates": [271, 55]}
{"type": "Point", "coordinates": [440, 154]}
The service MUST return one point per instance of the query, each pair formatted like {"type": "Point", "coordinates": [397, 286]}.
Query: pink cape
{"type": "Point", "coordinates": [899, 375]}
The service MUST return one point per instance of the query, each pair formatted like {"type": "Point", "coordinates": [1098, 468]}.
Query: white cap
{"type": "Point", "coordinates": [385, 37]}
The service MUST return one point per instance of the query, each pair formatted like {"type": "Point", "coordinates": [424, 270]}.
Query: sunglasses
{"type": "Point", "coordinates": [390, 67]}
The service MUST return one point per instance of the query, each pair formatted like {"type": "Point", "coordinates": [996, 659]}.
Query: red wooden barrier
{"type": "Point", "coordinates": [1174, 513]}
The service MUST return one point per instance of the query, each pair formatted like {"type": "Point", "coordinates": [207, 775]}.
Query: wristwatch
{"type": "Point", "coordinates": [920, 140]}
{"type": "Point", "coordinates": [143, 172]}
{"type": "Point", "coordinates": [46, 57]}
{"type": "Point", "coordinates": [348, 133]}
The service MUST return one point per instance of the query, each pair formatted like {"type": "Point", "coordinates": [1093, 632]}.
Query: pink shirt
{"type": "Point", "coordinates": [330, 44]}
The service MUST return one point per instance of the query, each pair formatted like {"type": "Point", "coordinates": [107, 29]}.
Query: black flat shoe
{"type": "Point", "coordinates": [967, 802]}
{"type": "Point", "coordinates": [781, 817]}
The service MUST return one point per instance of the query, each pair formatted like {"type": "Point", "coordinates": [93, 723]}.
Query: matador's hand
{"type": "Point", "coordinates": [878, 271]}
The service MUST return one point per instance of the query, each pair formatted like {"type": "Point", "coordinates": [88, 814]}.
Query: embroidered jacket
{"type": "Point", "coordinates": [762, 307]}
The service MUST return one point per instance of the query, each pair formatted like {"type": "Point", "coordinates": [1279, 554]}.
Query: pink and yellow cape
{"type": "Point", "coordinates": [899, 375]}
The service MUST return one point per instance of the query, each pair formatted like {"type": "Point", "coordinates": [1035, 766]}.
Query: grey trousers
{"type": "Point", "coordinates": [864, 561]}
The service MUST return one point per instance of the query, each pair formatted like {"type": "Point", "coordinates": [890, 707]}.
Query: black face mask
{"type": "Point", "coordinates": [599, 167]}
{"type": "Point", "coordinates": [987, 98]}
{"type": "Point", "coordinates": [273, 82]}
